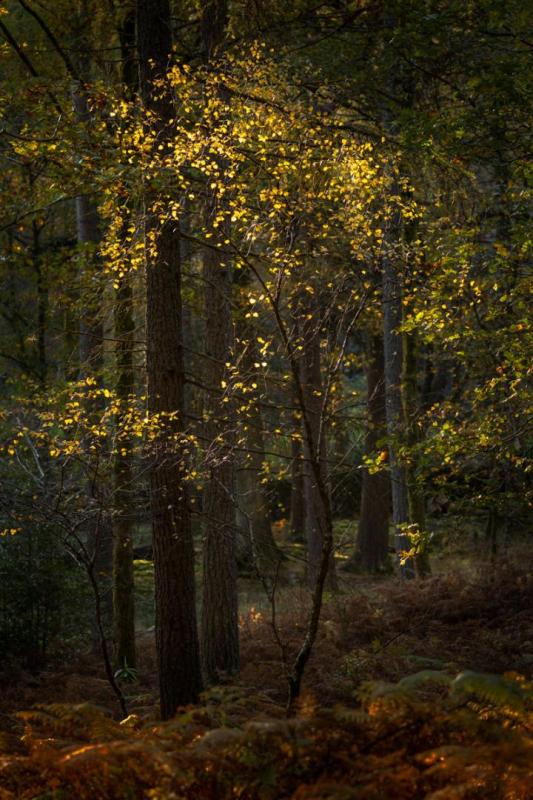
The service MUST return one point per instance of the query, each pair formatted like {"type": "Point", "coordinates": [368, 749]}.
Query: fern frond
{"type": "Point", "coordinates": [418, 679]}
{"type": "Point", "coordinates": [406, 687]}
{"type": "Point", "coordinates": [83, 722]}
{"type": "Point", "coordinates": [499, 690]}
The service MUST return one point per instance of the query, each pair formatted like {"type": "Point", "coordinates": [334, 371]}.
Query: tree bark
{"type": "Point", "coordinates": [297, 509]}
{"type": "Point", "coordinates": [416, 494]}
{"type": "Point", "coordinates": [123, 579]}
{"type": "Point", "coordinates": [91, 361]}
{"type": "Point", "coordinates": [372, 549]}
{"type": "Point", "coordinates": [220, 630]}
{"type": "Point", "coordinates": [392, 291]}
{"type": "Point", "coordinates": [393, 355]}
{"type": "Point", "coordinates": [252, 496]}
{"type": "Point", "coordinates": [220, 633]}
{"type": "Point", "coordinates": [317, 511]}
{"type": "Point", "coordinates": [178, 655]}
{"type": "Point", "coordinates": [124, 519]}
{"type": "Point", "coordinates": [42, 300]}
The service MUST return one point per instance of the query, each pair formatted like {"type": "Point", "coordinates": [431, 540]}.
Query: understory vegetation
{"type": "Point", "coordinates": [413, 690]}
{"type": "Point", "coordinates": [266, 361]}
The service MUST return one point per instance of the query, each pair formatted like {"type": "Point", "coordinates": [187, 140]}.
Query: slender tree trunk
{"type": "Point", "coordinates": [42, 301]}
{"type": "Point", "coordinates": [317, 512]}
{"type": "Point", "coordinates": [412, 401]}
{"type": "Point", "coordinates": [393, 354]}
{"type": "Point", "coordinates": [123, 581]}
{"type": "Point", "coordinates": [220, 630]}
{"type": "Point", "coordinates": [372, 549]}
{"type": "Point", "coordinates": [297, 509]}
{"type": "Point", "coordinates": [391, 272]}
{"type": "Point", "coordinates": [91, 334]}
{"type": "Point", "coordinates": [91, 359]}
{"type": "Point", "coordinates": [124, 519]}
{"type": "Point", "coordinates": [213, 23]}
{"type": "Point", "coordinates": [180, 679]}
{"type": "Point", "coordinates": [296, 671]}
{"type": "Point", "coordinates": [253, 499]}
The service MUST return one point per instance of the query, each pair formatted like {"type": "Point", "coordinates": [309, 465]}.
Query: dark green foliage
{"type": "Point", "coordinates": [43, 599]}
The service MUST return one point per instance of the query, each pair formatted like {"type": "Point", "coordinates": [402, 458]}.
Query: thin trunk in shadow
{"type": "Point", "coordinates": [254, 509]}
{"type": "Point", "coordinates": [124, 490]}
{"type": "Point", "coordinates": [372, 547]}
{"type": "Point", "coordinates": [297, 508]}
{"type": "Point", "coordinates": [412, 402]}
{"type": "Point", "coordinates": [393, 355]}
{"type": "Point", "coordinates": [317, 515]}
{"type": "Point", "coordinates": [91, 364]}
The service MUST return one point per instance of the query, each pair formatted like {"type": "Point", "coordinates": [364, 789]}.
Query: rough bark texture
{"type": "Point", "coordinates": [176, 630]}
{"type": "Point", "coordinates": [315, 478]}
{"type": "Point", "coordinates": [372, 549]}
{"type": "Point", "coordinates": [220, 633]}
{"type": "Point", "coordinates": [220, 630]}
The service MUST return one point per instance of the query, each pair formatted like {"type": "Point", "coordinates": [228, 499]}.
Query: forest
{"type": "Point", "coordinates": [266, 420]}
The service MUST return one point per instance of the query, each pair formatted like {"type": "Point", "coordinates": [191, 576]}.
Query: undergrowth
{"type": "Point", "coordinates": [426, 737]}
{"type": "Point", "coordinates": [414, 690]}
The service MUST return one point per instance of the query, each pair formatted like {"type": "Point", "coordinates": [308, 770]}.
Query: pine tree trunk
{"type": "Point", "coordinates": [220, 630]}
{"type": "Point", "coordinates": [220, 633]}
{"type": "Point", "coordinates": [372, 549]}
{"type": "Point", "coordinates": [180, 679]}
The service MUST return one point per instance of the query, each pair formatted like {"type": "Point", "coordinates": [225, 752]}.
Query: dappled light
{"type": "Point", "coordinates": [265, 400]}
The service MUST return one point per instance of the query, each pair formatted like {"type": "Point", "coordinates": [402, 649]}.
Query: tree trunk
{"type": "Point", "coordinates": [123, 582]}
{"type": "Point", "coordinates": [416, 494]}
{"type": "Point", "coordinates": [391, 297]}
{"type": "Point", "coordinates": [91, 360]}
{"type": "Point", "coordinates": [220, 633]}
{"type": "Point", "coordinates": [42, 300]}
{"type": "Point", "coordinates": [297, 509]}
{"type": "Point", "coordinates": [253, 500]}
{"type": "Point", "coordinates": [317, 511]}
{"type": "Point", "coordinates": [124, 519]}
{"type": "Point", "coordinates": [220, 630]}
{"type": "Point", "coordinates": [178, 655]}
{"type": "Point", "coordinates": [372, 550]}
{"type": "Point", "coordinates": [392, 348]}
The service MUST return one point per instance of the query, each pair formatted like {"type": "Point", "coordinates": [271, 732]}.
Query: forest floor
{"type": "Point", "coordinates": [357, 733]}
